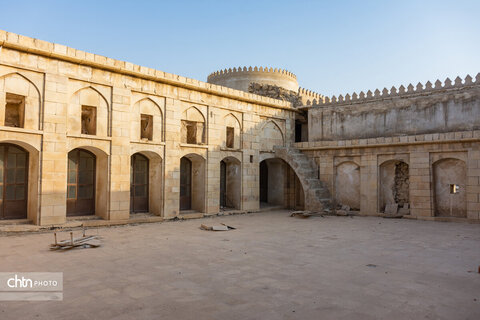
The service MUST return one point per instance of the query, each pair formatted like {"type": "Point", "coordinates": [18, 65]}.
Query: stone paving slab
{"type": "Point", "coordinates": [272, 267]}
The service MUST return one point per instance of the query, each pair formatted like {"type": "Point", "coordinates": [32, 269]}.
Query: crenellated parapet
{"type": "Point", "coordinates": [419, 89]}
{"type": "Point", "coordinates": [308, 96]}
{"type": "Point", "coordinates": [250, 69]}
{"type": "Point", "coordinates": [240, 78]}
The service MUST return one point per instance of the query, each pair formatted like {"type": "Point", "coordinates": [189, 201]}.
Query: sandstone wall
{"type": "Point", "coordinates": [57, 81]}
{"type": "Point", "coordinates": [431, 110]}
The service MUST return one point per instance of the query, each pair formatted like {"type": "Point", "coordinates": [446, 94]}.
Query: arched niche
{"type": "Point", "coordinates": [271, 135]}
{"type": "Point", "coordinates": [88, 103]}
{"type": "Point", "coordinates": [193, 127]}
{"type": "Point", "coordinates": [450, 196]}
{"type": "Point", "coordinates": [232, 133]}
{"type": "Point", "coordinates": [147, 121]}
{"type": "Point", "coordinates": [394, 185]}
{"type": "Point", "coordinates": [347, 185]}
{"type": "Point", "coordinates": [20, 102]}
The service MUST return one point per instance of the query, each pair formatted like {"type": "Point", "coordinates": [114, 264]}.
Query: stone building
{"type": "Point", "coordinates": [85, 135]}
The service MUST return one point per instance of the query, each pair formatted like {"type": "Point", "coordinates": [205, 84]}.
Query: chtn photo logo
{"type": "Point", "coordinates": [17, 282]}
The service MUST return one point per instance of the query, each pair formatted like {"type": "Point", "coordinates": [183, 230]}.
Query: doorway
{"type": "Point", "coordinates": [139, 171]}
{"type": "Point", "coordinates": [81, 183]}
{"type": "Point", "coordinates": [185, 184]}
{"type": "Point", "coordinates": [13, 182]}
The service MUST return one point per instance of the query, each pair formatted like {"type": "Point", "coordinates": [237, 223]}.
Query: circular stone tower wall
{"type": "Point", "coordinates": [241, 78]}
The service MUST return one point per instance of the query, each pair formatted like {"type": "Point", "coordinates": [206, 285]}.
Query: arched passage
{"type": "Point", "coordinates": [192, 183]}
{"type": "Point", "coordinates": [279, 185]}
{"type": "Point", "coordinates": [449, 176]}
{"type": "Point", "coordinates": [14, 164]}
{"type": "Point", "coordinates": [394, 184]}
{"type": "Point", "coordinates": [81, 183]}
{"type": "Point", "coordinates": [139, 183]}
{"type": "Point", "coordinates": [230, 183]}
{"type": "Point", "coordinates": [140, 160]}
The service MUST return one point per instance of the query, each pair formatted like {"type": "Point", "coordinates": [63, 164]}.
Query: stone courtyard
{"type": "Point", "coordinates": [271, 267]}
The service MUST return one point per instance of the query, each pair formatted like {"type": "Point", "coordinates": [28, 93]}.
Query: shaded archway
{"type": "Point", "coordinates": [192, 183]}
{"type": "Point", "coordinates": [230, 183]}
{"type": "Point", "coordinates": [139, 183]}
{"type": "Point", "coordinates": [394, 184]}
{"type": "Point", "coordinates": [347, 185]}
{"type": "Point", "coordinates": [449, 177]}
{"type": "Point", "coordinates": [101, 178]}
{"type": "Point", "coordinates": [279, 185]}
{"type": "Point", "coordinates": [81, 183]}
{"type": "Point", "coordinates": [14, 164]}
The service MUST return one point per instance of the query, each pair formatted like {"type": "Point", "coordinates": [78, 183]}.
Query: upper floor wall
{"type": "Point", "coordinates": [63, 91]}
{"type": "Point", "coordinates": [439, 109]}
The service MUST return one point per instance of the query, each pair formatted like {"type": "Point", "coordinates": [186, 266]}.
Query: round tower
{"type": "Point", "coordinates": [240, 78]}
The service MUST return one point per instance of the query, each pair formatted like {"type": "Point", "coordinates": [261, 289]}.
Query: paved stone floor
{"type": "Point", "coordinates": [271, 267]}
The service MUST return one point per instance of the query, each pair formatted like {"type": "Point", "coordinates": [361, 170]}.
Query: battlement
{"type": "Point", "coordinates": [227, 72]}
{"type": "Point", "coordinates": [419, 89]}
{"type": "Point", "coordinates": [240, 78]}
{"type": "Point", "coordinates": [308, 96]}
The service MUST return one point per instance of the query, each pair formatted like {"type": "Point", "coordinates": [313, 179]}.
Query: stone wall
{"type": "Point", "coordinates": [441, 109]}
{"type": "Point", "coordinates": [57, 81]}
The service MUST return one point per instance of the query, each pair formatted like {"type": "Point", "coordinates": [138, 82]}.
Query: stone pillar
{"type": "Point", "coordinates": [54, 155]}
{"type": "Point", "coordinates": [420, 185]}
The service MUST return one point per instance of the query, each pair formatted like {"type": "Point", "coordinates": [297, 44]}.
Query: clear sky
{"type": "Point", "coordinates": [334, 47]}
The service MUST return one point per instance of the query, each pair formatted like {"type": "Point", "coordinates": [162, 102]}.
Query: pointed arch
{"type": "Point", "coordinates": [18, 84]}
{"type": "Point", "coordinates": [271, 135]}
{"type": "Point", "coordinates": [24, 77]}
{"type": "Point", "coordinates": [94, 89]}
{"type": "Point", "coordinates": [231, 115]}
{"type": "Point", "coordinates": [152, 101]}
{"type": "Point", "coordinates": [89, 96]}
{"type": "Point", "coordinates": [194, 115]}
{"type": "Point", "coordinates": [150, 112]}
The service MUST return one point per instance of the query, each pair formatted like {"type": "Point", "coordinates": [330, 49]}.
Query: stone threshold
{"type": "Point", "coordinates": [78, 222]}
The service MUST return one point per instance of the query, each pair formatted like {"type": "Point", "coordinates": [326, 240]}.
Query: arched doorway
{"type": "Point", "coordinates": [81, 183]}
{"type": "Point", "coordinates": [279, 185]}
{"type": "Point", "coordinates": [13, 182]}
{"type": "Point", "coordinates": [185, 184]}
{"type": "Point", "coordinates": [139, 181]}
{"type": "Point", "coordinates": [230, 183]}
{"type": "Point", "coordinates": [192, 183]}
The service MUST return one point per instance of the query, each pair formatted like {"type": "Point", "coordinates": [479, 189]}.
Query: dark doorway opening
{"type": "Point", "coordinates": [13, 182]}
{"type": "Point", "coordinates": [81, 183]}
{"type": "Point", "coordinates": [223, 184]}
{"type": "Point", "coordinates": [139, 170]}
{"type": "Point", "coordinates": [185, 184]}
{"type": "Point", "coordinates": [263, 181]}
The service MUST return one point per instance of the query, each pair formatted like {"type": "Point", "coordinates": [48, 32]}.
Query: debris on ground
{"type": "Point", "coordinates": [221, 227]}
{"type": "Point", "coordinates": [371, 265]}
{"type": "Point", "coordinates": [82, 242]}
{"type": "Point", "coordinates": [345, 211]}
{"type": "Point", "coordinates": [305, 214]}
{"type": "Point", "coordinates": [393, 216]}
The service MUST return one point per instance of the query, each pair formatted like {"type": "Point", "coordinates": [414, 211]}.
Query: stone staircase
{"type": "Point", "coordinates": [317, 195]}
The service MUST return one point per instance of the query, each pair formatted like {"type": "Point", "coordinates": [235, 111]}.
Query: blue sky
{"type": "Point", "coordinates": [334, 47]}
